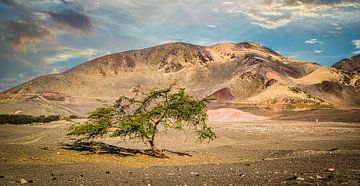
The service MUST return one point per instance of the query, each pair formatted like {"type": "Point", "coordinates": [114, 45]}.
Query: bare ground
{"type": "Point", "coordinates": [254, 152]}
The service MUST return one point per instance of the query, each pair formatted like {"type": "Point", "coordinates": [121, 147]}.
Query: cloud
{"type": "Point", "coordinates": [356, 43]}
{"type": "Point", "coordinates": [73, 19]}
{"type": "Point", "coordinates": [273, 14]}
{"type": "Point", "coordinates": [211, 26]}
{"type": "Point", "coordinates": [22, 34]}
{"type": "Point", "coordinates": [64, 54]}
{"type": "Point", "coordinates": [31, 35]}
{"type": "Point", "coordinates": [318, 51]}
{"type": "Point", "coordinates": [28, 25]}
{"type": "Point", "coordinates": [356, 52]}
{"type": "Point", "coordinates": [312, 41]}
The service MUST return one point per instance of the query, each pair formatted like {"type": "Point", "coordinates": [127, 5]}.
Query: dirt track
{"type": "Point", "coordinates": [260, 152]}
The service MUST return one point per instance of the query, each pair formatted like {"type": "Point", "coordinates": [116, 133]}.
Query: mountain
{"type": "Point", "coordinates": [350, 64]}
{"type": "Point", "coordinates": [235, 74]}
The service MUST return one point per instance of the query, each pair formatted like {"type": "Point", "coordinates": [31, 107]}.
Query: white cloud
{"type": "Point", "coordinates": [312, 41]}
{"type": "Point", "coordinates": [356, 52]}
{"type": "Point", "coordinates": [228, 3]}
{"type": "Point", "coordinates": [318, 51]}
{"type": "Point", "coordinates": [211, 26]}
{"type": "Point", "coordinates": [65, 54]}
{"type": "Point", "coordinates": [273, 14]}
{"type": "Point", "coordinates": [356, 43]}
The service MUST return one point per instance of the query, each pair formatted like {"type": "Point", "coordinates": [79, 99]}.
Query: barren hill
{"type": "Point", "coordinates": [350, 64]}
{"type": "Point", "coordinates": [243, 73]}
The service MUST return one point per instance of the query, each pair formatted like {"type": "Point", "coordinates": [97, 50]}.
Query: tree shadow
{"type": "Point", "coordinates": [94, 147]}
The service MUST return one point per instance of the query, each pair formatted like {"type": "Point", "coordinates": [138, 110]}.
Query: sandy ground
{"type": "Point", "coordinates": [246, 152]}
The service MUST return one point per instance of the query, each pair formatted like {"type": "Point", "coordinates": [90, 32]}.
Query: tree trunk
{"type": "Point", "coordinates": [155, 151]}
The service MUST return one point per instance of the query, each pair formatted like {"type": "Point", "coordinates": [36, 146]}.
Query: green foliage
{"type": "Point", "coordinates": [98, 124]}
{"type": "Point", "coordinates": [132, 118]}
{"type": "Point", "coordinates": [70, 117]}
{"type": "Point", "coordinates": [26, 119]}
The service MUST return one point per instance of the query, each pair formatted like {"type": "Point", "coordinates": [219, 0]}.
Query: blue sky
{"type": "Point", "coordinates": [39, 37]}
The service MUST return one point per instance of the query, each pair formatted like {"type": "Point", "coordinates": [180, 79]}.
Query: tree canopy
{"type": "Point", "coordinates": [142, 118]}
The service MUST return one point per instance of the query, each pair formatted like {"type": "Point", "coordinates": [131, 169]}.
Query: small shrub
{"type": "Point", "coordinates": [70, 117]}
{"type": "Point", "coordinates": [26, 119]}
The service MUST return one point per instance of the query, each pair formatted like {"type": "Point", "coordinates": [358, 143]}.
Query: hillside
{"type": "Point", "coordinates": [243, 73]}
{"type": "Point", "coordinates": [350, 64]}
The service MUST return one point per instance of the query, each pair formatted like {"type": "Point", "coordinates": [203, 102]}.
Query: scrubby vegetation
{"type": "Point", "coordinates": [70, 118]}
{"type": "Point", "coordinates": [26, 119]}
{"type": "Point", "coordinates": [143, 118]}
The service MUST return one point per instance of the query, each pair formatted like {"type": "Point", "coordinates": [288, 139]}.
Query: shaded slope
{"type": "Point", "coordinates": [350, 64]}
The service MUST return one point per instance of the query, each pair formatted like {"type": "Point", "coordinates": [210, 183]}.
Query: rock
{"type": "Point", "coordinates": [194, 173]}
{"type": "Point", "coordinates": [318, 177]}
{"type": "Point", "coordinates": [58, 153]}
{"type": "Point", "coordinates": [292, 178]}
{"type": "Point", "coordinates": [334, 149]}
{"type": "Point", "coordinates": [300, 179]}
{"type": "Point", "coordinates": [54, 178]}
{"type": "Point", "coordinates": [331, 169]}
{"type": "Point", "coordinates": [23, 181]}
{"type": "Point", "coordinates": [242, 175]}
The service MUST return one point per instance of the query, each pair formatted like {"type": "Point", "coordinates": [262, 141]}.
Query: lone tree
{"type": "Point", "coordinates": [143, 118]}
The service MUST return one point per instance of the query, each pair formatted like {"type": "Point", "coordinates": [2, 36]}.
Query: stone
{"type": "Point", "coordinates": [194, 173]}
{"type": "Point", "coordinates": [318, 177]}
{"type": "Point", "coordinates": [331, 169]}
{"type": "Point", "coordinates": [292, 178]}
{"type": "Point", "coordinates": [23, 181]}
{"type": "Point", "coordinates": [58, 153]}
{"type": "Point", "coordinates": [300, 179]}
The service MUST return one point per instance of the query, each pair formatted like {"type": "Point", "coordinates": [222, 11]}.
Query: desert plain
{"type": "Point", "coordinates": [255, 147]}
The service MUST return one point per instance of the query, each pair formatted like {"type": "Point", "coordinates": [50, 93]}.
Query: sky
{"type": "Point", "coordinates": [39, 37]}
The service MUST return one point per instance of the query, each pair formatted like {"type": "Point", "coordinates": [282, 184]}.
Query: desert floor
{"type": "Point", "coordinates": [249, 152]}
